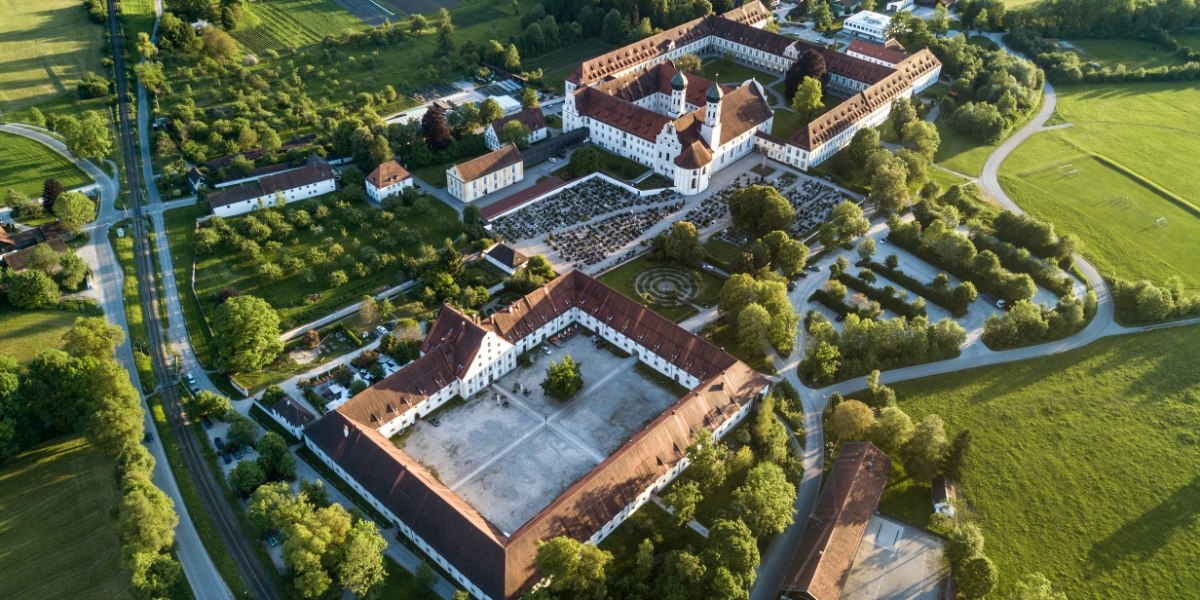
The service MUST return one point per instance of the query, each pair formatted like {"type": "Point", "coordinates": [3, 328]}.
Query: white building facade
{"type": "Point", "coordinates": [314, 179]}
{"type": "Point", "coordinates": [870, 25]}
{"type": "Point", "coordinates": [481, 176]}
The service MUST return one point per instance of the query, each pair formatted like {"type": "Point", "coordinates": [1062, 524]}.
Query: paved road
{"type": "Point", "coordinates": [778, 555]}
{"type": "Point", "coordinates": [211, 495]}
{"type": "Point", "coordinates": [107, 290]}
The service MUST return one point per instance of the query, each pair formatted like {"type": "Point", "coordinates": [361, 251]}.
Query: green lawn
{"type": "Point", "coordinates": [26, 164]}
{"type": "Point", "coordinates": [45, 49]}
{"type": "Point", "coordinates": [1134, 54]}
{"type": "Point", "coordinates": [559, 63]}
{"type": "Point", "coordinates": [134, 317]}
{"type": "Point", "coordinates": [1114, 212]}
{"type": "Point", "coordinates": [961, 153]}
{"type": "Point", "coordinates": [1084, 464]}
{"type": "Point", "coordinates": [292, 296]}
{"type": "Point", "coordinates": [731, 72]}
{"type": "Point", "coordinates": [139, 18]}
{"type": "Point", "coordinates": [401, 585]}
{"type": "Point", "coordinates": [786, 123]}
{"type": "Point", "coordinates": [26, 333]}
{"type": "Point", "coordinates": [722, 253]}
{"type": "Point", "coordinates": [58, 524]}
{"type": "Point", "coordinates": [623, 277]}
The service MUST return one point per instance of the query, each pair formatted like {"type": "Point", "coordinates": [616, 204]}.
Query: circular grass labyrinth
{"type": "Point", "coordinates": [665, 286]}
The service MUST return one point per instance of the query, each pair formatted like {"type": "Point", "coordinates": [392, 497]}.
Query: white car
{"type": "Point", "coordinates": [381, 329]}
{"type": "Point", "coordinates": [1001, 303]}
{"type": "Point", "coordinates": [553, 160]}
{"type": "Point", "coordinates": [190, 378]}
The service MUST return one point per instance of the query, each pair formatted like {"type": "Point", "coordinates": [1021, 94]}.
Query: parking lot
{"type": "Point", "coordinates": [510, 450]}
{"type": "Point", "coordinates": [896, 560]}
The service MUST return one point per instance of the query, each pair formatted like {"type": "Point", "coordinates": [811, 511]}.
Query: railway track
{"type": "Point", "coordinates": [211, 496]}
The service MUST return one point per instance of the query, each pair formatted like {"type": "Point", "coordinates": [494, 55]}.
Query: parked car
{"type": "Point", "coordinates": [225, 457]}
{"type": "Point", "coordinates": [813, 268]}
{"type": "Point", "coordinates": [1001, 303]}
{"type": "Point", "coordinates": [190, 378]}
{"type": "Point", "coordinates": [195, 390]}
{"type": "Point", "coordinates": [237, 453]}
{"type": "Point", "coordinates": [381, 329]}
{"type": "Point", "coordinates": [149, 437]}
{"type": "Point", "coordinates": [553, 160]}
{"type": "Point", "coordinates": [206, 422]}
{"type": "Point", "coordinates": [841, 317]}
{"type": "Point", "coordinates": [218, 443]}
{"type": "Point", "coordinates": [272, 541]}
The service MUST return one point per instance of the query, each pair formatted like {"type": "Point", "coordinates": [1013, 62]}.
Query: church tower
{"type": "Point", "coordinates": [712, 116]}
{"type": "Point", "coordinates": [678, 95]}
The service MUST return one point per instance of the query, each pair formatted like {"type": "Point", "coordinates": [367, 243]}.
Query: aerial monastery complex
{"type": "Point", "coordinates": [635, 103]}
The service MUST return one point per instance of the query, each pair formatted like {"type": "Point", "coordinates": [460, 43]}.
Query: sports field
{"type": "Point", "coordinates": [26, 164]}
{"type": "Point", "coordinates": [1084, 465]}
{"type": "Point", "coordinates": [45, 47]}
{"type": "Point", "coordinates": [1148, 138]}
{"type": "Point", "coordinates": [56, 521]}
{"type": "Point", "coordinates": [25, 333]}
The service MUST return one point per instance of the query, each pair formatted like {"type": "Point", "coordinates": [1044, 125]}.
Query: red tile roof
{"type": "Point", "coordinates": [316, 171]}
{"type": "Point", "coordinates": [503, 566]}
{"type": "Point", "coordinates": [829, 125]}
{"type": "Point", "coordinates": [654, 46]}
{"type": "Point", "coordinates": [835, 529]}
{"type": "Point", "coordinates": [18, 260]}
{"type": "Point", "coordinates": [503, 157]}
{"type": "Point", "coordinates": [879, 51]}
{"type": "Point", "coordinates": [388, 173]}
{"type": "Point", "coordinates": [531, 118]}
{"type": "Point", "coordinates": [520, 198]}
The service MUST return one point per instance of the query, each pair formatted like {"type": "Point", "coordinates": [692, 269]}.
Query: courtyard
{"type": "Point", "coordinates": [510, 450]}
{"type": "Point", "coordinates": [897, 561]}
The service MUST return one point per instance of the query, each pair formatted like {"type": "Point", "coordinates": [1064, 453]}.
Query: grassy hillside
{"type": "Point", "coordinates": [58, 525]}
{"type": "Point", "coordinates": [1085, 464]}
{"type": "Point", "coordinates": [45, 48]}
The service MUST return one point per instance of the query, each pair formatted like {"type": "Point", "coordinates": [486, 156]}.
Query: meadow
{"type": "Point", "coordinates": [26, 333]}
{"type": "Point", "coordinates": [58, 524]}
{"type": "Point", "coordinates": [45, 49]}
{"type": "Point", "coordinates": [26, 164]}
{"type": "Point", "coordinates": [960, 153]}
{"type": "Point", "coordinates": [1083, 464]}
{"type": "Point", "coordinates": [1134, 54]}
{"type": "Point", "coordinates": [1137, 149]}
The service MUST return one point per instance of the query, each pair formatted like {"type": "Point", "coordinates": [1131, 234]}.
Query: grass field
{"type": "Point", "coordinates": [26, 333]}
{"type": "Point", "coordinates": [1134, 54]}
{"type": "Point", "coordinates": [26, 164]}
{"type": "Point", "coordinates": [557, 64]}
{"type": "Point", "coordinates": [622, 279]}
{"type": "Point", "coordinates": [45, 49]}
{"type": "Point", "coordinates": [284, 24]}
{"type": "Point", "coordinates": [58, 525]}
{"type": "Point", "coordinates": [134, 317]}
{"type": "Point", "coordinates": [139, 18]}
{"type": "Point", "coordinates": [960, 153]}
{"type": "Point", "coordinates": [728, 71]}
{"type": "Point", "coordinates": [1084, 465]}
{"type": "Point", "coordinates": [1112, 212]}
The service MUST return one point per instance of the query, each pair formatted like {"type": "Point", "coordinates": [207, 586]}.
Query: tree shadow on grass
{"type": "Point", "coordinates": [1140, 538]}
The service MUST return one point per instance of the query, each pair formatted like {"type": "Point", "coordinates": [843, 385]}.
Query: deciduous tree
{"type": "Point", "coordinates": [806, 102]}
{"type": "Point", "coordinates": [94, 337]}
{"type": "Point", "coordinates": [764, 502]}
{"type": "Point", "coordinates": [246, 334]}
{"type": "Point", "coordinates": [563, 379]}
{"type": "Point", "coordinates": [925, 452]}
{"type": "Point", "coordinates": [852, 421]}
{"type": "Point", "coordinates": [760, 209]}
{"type": "Point", "coordinates": [575, 569]}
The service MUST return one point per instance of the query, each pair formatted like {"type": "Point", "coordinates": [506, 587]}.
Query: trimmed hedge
{"type": "Point", "coordinates": [1012, 259]}
{"type": "Point", "coordinates": [888, 301]}
{"type": "Point", "coordinates": [943, 297]}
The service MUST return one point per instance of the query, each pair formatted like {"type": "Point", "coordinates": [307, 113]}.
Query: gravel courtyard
{"type": "Point", "coordinates": [510, 461]}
